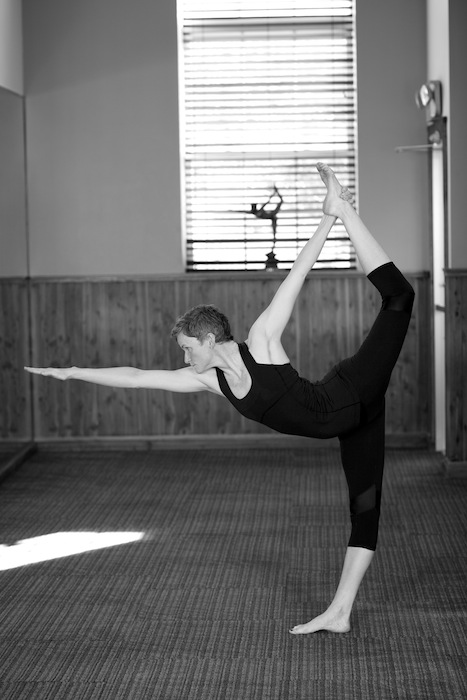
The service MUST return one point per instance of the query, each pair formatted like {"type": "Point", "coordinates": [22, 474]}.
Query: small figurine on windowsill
{"type": "Point", "coordinates": [270, 214]}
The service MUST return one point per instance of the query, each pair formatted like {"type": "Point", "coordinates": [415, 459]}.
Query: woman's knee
{"type": "Point", "coordinates": [396, 291]}
{"type": "Point", "coordinates": [402, 301]}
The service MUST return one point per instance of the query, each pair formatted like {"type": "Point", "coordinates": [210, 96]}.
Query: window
{"type": "Point", "coordinates": [268, 89]}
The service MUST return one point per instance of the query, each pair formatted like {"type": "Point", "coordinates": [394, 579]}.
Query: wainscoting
{"type": "Point", "coordinates": [15, 384]}
{"type": "Point", "coordinates": [456, 365]}
{"type": "Point", "coordinates": [109, 322]}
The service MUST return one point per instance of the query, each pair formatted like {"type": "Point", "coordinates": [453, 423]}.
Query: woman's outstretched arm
{"type": "Point", "coordinates": [180, 380]}
{"type": "Point", "coordinates": [264, 339]}
{"type": "Point", "coordinates": [272, 322]}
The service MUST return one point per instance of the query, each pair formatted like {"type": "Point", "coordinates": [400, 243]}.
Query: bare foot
{"type": "Point", "coordinates": [329, 621]}
{"type": "Point", "coordinates": [336, 195]}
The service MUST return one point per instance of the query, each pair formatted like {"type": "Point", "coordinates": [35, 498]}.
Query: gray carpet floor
{"type": "Point", "coordinates": [234, 548]}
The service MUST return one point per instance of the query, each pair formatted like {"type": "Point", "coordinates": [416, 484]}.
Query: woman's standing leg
{"type": "Point", "coordinates": [362, 451]}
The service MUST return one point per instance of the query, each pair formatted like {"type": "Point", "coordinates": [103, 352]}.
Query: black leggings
{"type": "Point", "coordinates": [362, 449]}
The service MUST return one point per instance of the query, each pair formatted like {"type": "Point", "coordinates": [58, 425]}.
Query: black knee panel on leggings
{"type": "Point", "coordinates": [397, 293]}
{"type": "Point", "coordinates": [365, 529]}
{"type": "Point", "coordinates": [364, 516]}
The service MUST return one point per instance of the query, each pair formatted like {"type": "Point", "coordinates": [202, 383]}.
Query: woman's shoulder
{"type": "Point", "coordinates": [266, 351]}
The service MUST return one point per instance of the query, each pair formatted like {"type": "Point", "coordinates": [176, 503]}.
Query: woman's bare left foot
{"type": "Point", "coordinates": [336, 194]}
{"type": "Point", "coordinates": [329, 621]}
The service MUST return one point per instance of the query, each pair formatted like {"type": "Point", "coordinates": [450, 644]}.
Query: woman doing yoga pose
{"type": "Point", "coordinates": [257, 378]}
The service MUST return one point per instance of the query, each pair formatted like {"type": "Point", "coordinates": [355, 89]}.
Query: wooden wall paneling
{"type": "Point", "coordinates": [331, 340]}
{"type": "Point", "coordinates": [456, 365]}
{"type": "Point", "coordinates": [50, 347]}
{"type": "Point", "coordinates": [95, 333]}
{"type": "Point", "coordinates": [113, 348]}
{"type": "Point", "coordinates": [341, 319]}
{"type": "Point", "coordinates": [161, 304]}
{"type": "Point", "coordinates": [142, 360]}
{"type": "Point", "coordinates": [408, 404]}
{"type": "Point", "coordinates": [170, 413]}
{"type": "Point", "coordinates": [75, 353]}
{"type": "Point", "coordinates": [15, 384]}
{"type": "Point", "coordinates": [70, 323]}
{"type": "Point", "coordinates": [363, 306]}
{"type": "Point", "coordinates": [111, 343]}
{"type": "Point", "coordinates": [35, 356]}
{"type": "Point", "coordinates": [400, 395]}
{"type": "Point", "coordinates": [423, 403]}
{"type": "Point", "coordinates": [323, 323]}
{"type": "Point", "coordinates": [59, 314]}
{"type": "Point", "coordinates": [74, 327]}
{"type": "Point", "coordinates": [424, 353]}
{"type": "Point", "coordinates": [308, 330]}
{"type": "Point", "coordinates": [127, 306]}
{"type": "Point", "coordinates": [128, 322]}
{"type": "Point", "coordinates": [80, 417]}
{"type": "Point", "coordinates": [120, 310]}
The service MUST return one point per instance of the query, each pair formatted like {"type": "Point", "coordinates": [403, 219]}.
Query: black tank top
{"type": "Point", "coordinates": [288, 403]}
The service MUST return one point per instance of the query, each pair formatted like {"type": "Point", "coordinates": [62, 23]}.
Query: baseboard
{"type": "Point", "coordinates": [206, 442]}
{"type": "Point", "coordinates": [454, 468]}
{"type": "Point", "coordinates": [20, 456]}
{"type": "Point", "coordinates": [184, 442]}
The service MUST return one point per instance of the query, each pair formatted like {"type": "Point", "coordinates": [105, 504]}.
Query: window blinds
{"type": "Point", "coordinates": [268, 90]}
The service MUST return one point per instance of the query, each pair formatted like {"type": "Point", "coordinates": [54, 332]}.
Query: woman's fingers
{"type": "Point", "coordinates": [57, 372]}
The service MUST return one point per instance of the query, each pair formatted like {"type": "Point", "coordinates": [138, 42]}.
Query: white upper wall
{"type": "Point", "coordinates": [446, 59]}
{"type": "Point", "coordinates": [393, 186]}
{"type": "Point", "coordinates": [457, 134]}
{"type": "Point", "coordinates": [438, 45]}
{"type": "Point", "coordinates": [13, 244]}
{"type": "Point", "coordinates": [11, 46]}
{"type": "Point", "coordinates": [101, 83]}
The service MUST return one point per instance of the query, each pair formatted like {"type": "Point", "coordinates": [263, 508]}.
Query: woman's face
{"type": "Point", "coordinates": [197, 353]}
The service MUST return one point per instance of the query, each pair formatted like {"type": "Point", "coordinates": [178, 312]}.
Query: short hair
{"type": "Point", "coordinates": [201, 320]}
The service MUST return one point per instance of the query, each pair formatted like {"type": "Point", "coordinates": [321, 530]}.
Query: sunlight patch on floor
{"type": "Point", "coordinates": [60, 544]}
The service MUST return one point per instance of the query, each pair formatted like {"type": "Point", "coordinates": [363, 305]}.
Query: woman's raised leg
{"type": "Point", "coordinates": [369, 252]}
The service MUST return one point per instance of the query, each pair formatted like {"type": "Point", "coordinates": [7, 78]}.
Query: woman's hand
{"type": "Point", "coordinates": [56, 372]}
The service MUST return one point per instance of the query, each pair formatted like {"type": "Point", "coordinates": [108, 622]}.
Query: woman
{"type": "Point", "coordinates": [257, 378]}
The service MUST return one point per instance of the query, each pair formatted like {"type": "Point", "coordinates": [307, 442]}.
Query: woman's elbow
{"type": "Point", "coordinates": [136, 378]}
